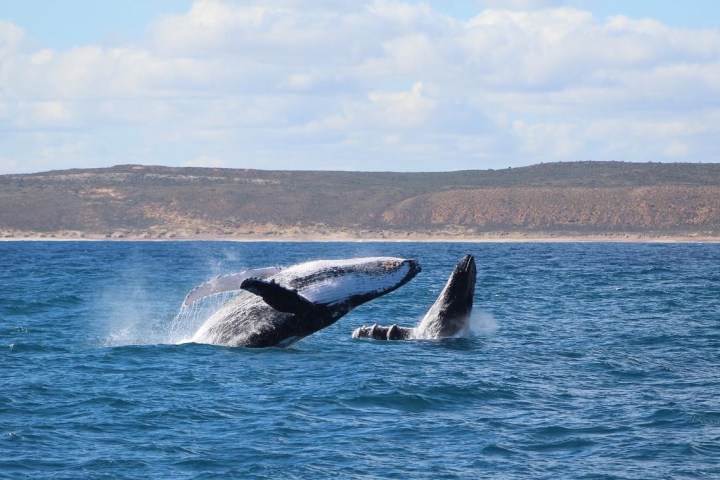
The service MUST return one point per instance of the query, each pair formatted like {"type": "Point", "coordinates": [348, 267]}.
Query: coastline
{"type": "Point", "coordinates": [420, 237]}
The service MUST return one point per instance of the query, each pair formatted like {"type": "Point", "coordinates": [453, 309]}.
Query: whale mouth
{"type": "Point", "coordinates": [464, 272]}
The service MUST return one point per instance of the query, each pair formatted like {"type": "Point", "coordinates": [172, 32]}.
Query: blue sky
{"type": "Point", "coordinates": [353, 85]}
{"type": "Point", "coordinates": [69, 23]}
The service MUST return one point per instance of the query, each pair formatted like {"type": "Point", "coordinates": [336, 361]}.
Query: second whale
{"type": "Point", "coordinates": [448, 317]}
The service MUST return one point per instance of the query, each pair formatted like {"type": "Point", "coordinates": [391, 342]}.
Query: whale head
{"type": "Point", "coordinates": [450, 314]}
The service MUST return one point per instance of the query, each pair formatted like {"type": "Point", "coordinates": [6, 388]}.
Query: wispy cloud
{"type": "Point", "coordinates": [376, 85]}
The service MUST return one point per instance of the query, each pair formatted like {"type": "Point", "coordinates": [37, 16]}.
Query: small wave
{"type": "Point", "coordinates": [665, 417]}
{"type": "Point", "coordinates": [36, 348]}
{"type": "Point", "coordinates": [397, 400]}
{"type": "Point", "coordinates": [707, 448]}
{"type": "Point", "coordinates": [573, 444]}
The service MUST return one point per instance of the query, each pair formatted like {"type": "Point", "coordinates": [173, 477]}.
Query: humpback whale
{"type": "Point", "coordinates": [449, 316]}
{"type": "Point", "coordinates": [278, 307]}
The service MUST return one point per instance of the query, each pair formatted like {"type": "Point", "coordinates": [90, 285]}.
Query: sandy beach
{"type": "Point", "coordinates": [370, 236]}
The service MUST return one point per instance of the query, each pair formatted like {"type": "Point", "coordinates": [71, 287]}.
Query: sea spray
{"type": "Point", "coordinates": [482, 323]}
{"type": "Point", "coordinates": [127, 312]}
{"type": "Point", "coordinates": [130, 316]}
{"type": "Point", "coordinates": [190, 318]}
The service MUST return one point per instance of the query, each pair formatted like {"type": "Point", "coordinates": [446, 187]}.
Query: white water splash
{"type": "Point", "coordinates": [131, 316]}
{"type": "Point", "coordinates": [189, 319]}
{"type": "Point", "coordinates": [123, 314]}
{"type": "Point", "coordinates": [137, 307]}
{"type": "Point", "coordinates": [482, 323]}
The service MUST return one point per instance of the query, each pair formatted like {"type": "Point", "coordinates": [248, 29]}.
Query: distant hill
{"type": "Point", "coordinates": [576, 198]}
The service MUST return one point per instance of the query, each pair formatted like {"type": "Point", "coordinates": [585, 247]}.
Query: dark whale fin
{"type": "Point", "coordinates": [278, 297]}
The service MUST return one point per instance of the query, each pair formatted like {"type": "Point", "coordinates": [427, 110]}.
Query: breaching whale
{"type": "Point", "coordinates": [277, 307]}
{"type": "Point", "coordinates": [448, 317]}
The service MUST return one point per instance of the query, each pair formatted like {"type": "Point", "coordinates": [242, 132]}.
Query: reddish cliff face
{"type": "Point", "coordinates": [163, 202]}
{"type": "Point", "coordinates": [587, 209]}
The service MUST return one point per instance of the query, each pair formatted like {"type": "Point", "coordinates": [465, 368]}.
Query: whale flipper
{"type": "Point", "coordinates": [227, 283]}
{"type": "Point", "coordinates": [278, 297]}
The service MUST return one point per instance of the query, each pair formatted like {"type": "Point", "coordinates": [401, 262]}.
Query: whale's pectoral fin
{"type": "Point", "coordinates": [227, 283]}
{"type": "Point", "coordinates": [278, 297]}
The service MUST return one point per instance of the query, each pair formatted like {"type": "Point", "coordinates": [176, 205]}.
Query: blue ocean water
{"type": "Point", "coordinates": [589, 361]}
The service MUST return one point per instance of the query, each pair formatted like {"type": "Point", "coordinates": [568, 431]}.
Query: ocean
{"type": "Point", "coordinates": [587, 361]}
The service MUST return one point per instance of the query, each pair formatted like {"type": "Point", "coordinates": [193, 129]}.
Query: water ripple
{"type": "Point", "coordinates": [603, 366]}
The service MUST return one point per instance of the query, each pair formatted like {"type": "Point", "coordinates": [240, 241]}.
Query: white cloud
{"type": "Point", "coordinates": [402, 109]}
{"type": "Point", "coordinates": [364, 85]}
{"type": "Point", "coordinates": [523, 4]}
{"type": "Point", "coordinates": [12, 40]}
{"type": "Point", "coordinates": [208, 162]}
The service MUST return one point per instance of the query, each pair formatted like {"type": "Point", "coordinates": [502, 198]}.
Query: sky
{"type": "Point", "coordinates": [381, 85]}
